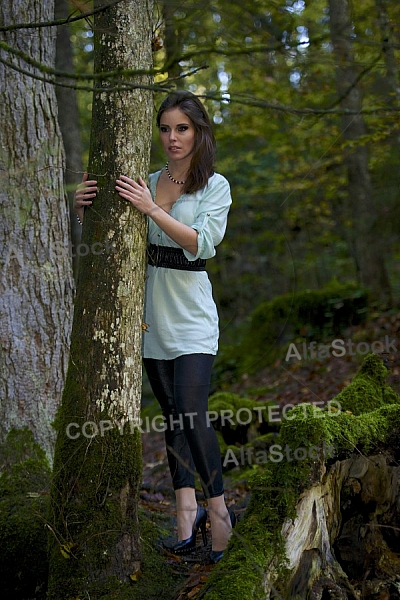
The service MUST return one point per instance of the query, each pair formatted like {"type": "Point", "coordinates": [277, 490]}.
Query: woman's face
{"type": "Point", "coordinates": [177, 134]}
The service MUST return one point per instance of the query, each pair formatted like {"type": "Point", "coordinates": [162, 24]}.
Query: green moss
{"type": "Point", "coordinates": [155, 579]}
{"type": "Point", "coordinates": [308, 314]}
{"type": "Point", "coordinates": [227, 401]}
{"type": "Point", "coordinates": [240, 427]}
{"type": "Point", "coordinates": [90, 488]}
{"type": "Point", "coordinates": [19, 446]}
{"type": "Point", "coordinates": [93, 500]}
{"type": "Point", "coordinates": [150, 411]}
{"type": "Point", "coordinates": [368, 390]}
{"type": "Point", "coordinates": [223, 410]}
{"type": "Point", "coordinates": [149, 586]}
{"type": "Point", "coordinates": [24, 486]}
{"type": "Point", "coordinates": [257, 541]}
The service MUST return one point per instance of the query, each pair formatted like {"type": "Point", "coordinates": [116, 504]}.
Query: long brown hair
{"type": "Point", "coordinates": [203, 157]}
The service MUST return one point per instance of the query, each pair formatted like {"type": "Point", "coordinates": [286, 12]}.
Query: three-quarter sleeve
{"type": "Point", "coordinates": [211, 217]}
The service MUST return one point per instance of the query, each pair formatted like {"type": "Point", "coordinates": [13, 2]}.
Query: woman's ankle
{"type": "Point", "coordinates": [186, 510]}
{"type": "Point", "coordinates": [185, 518]}
{"type": "Point", "coordinates": [221, 525]}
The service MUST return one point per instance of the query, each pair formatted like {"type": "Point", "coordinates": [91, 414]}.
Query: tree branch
{"type": "Point", "coordinates": [356, 81]}
{"type": "Point", "coordinates": [167, 85]}
{"type": "Point", "coordinates": [259, 103]}
{"type": "Point", "coordinates": [164, 86]}
{"type": "Point", "coordinates": [58, 22]}
{"type": "Point", "coordinates": [65, 74]}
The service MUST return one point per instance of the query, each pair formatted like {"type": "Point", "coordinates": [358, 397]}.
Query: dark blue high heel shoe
{"type": "Point", "coordinates": [186, 546]}
{"type": "Point", "coordinates": [216, 555]}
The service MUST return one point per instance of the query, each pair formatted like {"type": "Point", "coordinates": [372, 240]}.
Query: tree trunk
{"type": "Point", "coordinates": [391, 79]}
{"type": "Point", "coordinates": [95, 538]}
{"type": "Point", "coordinates": [68, 119]}
{"type": "Point", "coordinates": [387, 85]}
{"type": "Point", "coordinates": [172, 39]}
{"type": "Point", "coordinates": [368, 245]}
{"type": "Point", "coordinates": [36, 279]}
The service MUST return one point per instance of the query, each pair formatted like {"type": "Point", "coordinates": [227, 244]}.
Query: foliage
{"type": "Point", "coordinates": [269, 84]}
{"type": "Point", "coordinates": [270, 88]}
{"type": "Point", "coordinates": [289, 226]}
{"type": "Point", "coordinates": [82, 43]}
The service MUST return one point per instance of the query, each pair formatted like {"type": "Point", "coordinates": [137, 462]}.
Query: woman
{"type": "Point", "coordinates": [187, 204]}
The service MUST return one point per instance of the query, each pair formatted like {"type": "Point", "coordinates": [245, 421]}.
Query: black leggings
{"type": "Point", "coordinates": [181, 386]}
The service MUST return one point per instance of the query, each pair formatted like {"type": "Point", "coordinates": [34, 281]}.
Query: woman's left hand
{"type": "Point", "coordinates": [136, 192]}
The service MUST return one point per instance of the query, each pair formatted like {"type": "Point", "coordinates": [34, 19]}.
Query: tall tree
{"type": "Point", "coordinates": [36, 277]}
{"type": "Point", "coordinates": [68, 118]}
{"type": "Point", "coordinates": [172, 39]}
{"type": "Point", "coordinates": [361, 203]}
{"type": "Point", "coordinates": [97, 467]}
{"type": "Point", "coordinates": [392, 82]}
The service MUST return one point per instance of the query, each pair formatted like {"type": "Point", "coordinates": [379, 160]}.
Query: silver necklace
{"type": "Point", "coordinates": [171, 178]}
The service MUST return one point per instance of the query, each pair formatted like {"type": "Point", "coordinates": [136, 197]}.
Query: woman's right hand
{"type": "Point", "coordinates": [84, 192]}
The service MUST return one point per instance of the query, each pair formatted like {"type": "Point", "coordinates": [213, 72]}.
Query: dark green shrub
{"type": "Point", "coordinates": [310, 314]}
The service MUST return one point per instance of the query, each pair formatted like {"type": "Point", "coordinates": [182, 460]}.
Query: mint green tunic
{"type": "Point", "coordinates": [180, 311]}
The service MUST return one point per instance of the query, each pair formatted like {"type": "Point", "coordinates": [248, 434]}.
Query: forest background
{"type": "Point", "coordinates": [267, 72]}
{"type": "Point", "coordinates": [307, 135]}
{"type": "Point", "coordinates": [306, 120]}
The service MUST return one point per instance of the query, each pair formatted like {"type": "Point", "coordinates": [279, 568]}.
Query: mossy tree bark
{"type": "Point", "coordinates": [97, 470]}
{"type": "Point", "coordinates": [362, 208]}
{"type": "Point", "coordinates": [36, 285]}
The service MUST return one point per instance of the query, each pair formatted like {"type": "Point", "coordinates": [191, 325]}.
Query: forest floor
{"type": "Point", "coordinates": [285, 382]}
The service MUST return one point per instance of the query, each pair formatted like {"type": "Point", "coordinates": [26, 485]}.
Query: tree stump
{"type": "Point", "coordinates": [344, 541]}
{"type": "Point", "coordinates": [323, 520]}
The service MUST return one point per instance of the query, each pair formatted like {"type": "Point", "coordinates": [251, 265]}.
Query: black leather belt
{"type": "Point", "coordinates": [173, 258]}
